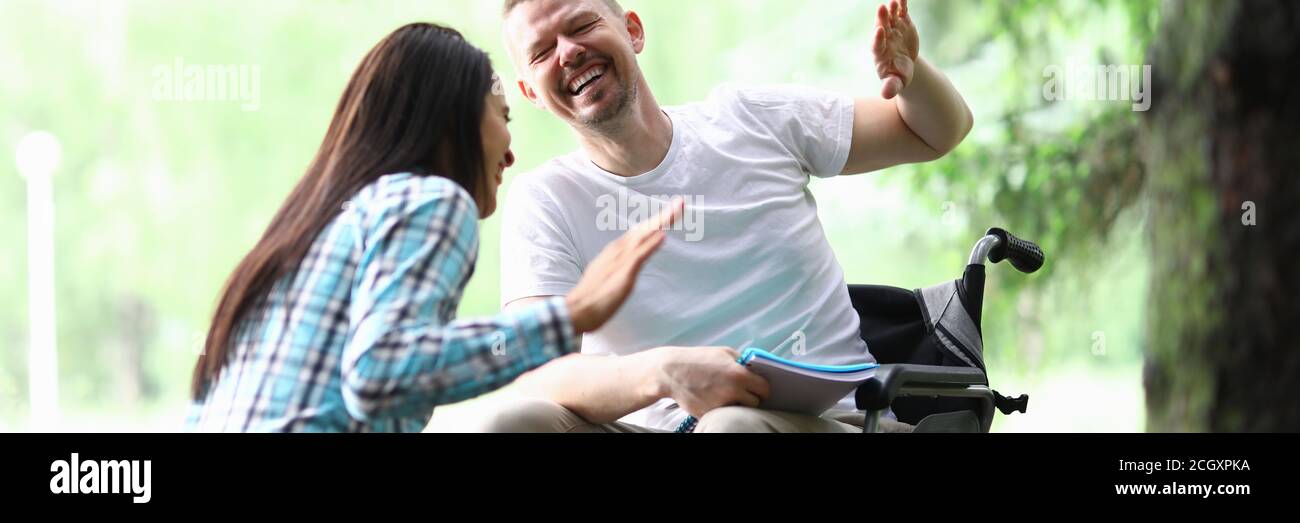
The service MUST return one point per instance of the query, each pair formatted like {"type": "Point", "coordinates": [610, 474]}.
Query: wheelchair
{"type": "Point", "coordinates": [930, 348]}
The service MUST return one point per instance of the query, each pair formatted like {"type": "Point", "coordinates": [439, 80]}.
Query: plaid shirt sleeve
{"type": "Point", "coordinates": [407, 353]}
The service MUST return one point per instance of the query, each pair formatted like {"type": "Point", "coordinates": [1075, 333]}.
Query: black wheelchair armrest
{"type": "Point", "coordinates": [878, 393]}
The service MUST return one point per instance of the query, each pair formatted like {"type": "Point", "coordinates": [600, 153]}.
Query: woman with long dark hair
{"type": "Point", "coordinates": [342, 317]}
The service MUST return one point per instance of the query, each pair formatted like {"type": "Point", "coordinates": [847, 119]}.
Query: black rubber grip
{"type": "Point", "coordinates": [1024, 255]}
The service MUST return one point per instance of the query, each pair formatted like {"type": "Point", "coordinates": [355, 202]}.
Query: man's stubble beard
{"type": "Point", "coordinates": [614, 118]}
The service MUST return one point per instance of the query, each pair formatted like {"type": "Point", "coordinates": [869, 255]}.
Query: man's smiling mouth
{"type": "Point", "coordinates": [581, 82]}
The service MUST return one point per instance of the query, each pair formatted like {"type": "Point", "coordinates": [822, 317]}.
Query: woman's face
{"type": "Point", "coordinates": [496, 149]}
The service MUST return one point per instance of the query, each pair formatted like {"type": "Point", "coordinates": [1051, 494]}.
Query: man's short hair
{"type": "Point", "coordinates": [613, 6]}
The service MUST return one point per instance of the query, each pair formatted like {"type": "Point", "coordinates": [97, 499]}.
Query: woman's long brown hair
{"type": "Point", "coordinates": [415, 104]}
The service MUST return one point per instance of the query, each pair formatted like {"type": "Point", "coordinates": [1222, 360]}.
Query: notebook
{"type": "Point", "coordinates": [805, 388]}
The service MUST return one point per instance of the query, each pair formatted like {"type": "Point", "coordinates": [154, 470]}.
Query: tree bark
{"type": "Point", "coordinates": [1222, 146]}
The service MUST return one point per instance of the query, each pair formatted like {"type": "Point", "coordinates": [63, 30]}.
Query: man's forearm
{"type": "Point", "coordinates": [933, 109]}
{"type": "Point", "coordinates": [601, 389]}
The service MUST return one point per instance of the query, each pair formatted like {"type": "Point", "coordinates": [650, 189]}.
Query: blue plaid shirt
{"type": "Point", "coordinates": [363, 337]}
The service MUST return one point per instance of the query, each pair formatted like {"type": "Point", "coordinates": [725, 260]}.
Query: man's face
{"type": "Point", "coordinates": [576, 58]}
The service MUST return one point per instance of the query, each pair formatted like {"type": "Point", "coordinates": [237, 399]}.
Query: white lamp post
{"type": "Point", "coordinates": [38, 155]}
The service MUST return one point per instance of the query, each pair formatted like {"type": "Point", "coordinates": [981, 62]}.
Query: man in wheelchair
{"type": "Point", "coordinates": [758, 272]}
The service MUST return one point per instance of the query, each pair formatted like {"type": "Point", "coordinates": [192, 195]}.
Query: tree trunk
{"type": "Point", "coordinates": [1222, 146]}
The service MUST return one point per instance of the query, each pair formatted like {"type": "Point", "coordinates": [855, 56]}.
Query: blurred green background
{"type": "Point", "coordinates": [157, 200]}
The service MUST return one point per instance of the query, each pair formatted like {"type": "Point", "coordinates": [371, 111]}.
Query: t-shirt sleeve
{"type": "Point", "coordinates": [816, 126]}
{"type": "Point", "coordinates": [538, 255]}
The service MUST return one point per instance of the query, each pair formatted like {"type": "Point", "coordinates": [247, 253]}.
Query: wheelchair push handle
{"type": "Point", "coordinates": [1024, 255]}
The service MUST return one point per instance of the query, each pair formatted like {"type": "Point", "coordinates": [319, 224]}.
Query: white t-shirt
{"type": "Point", "coordinates": [749, 266]}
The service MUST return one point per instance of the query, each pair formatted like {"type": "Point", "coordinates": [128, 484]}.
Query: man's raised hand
{"type": "Point", "coordinates": [896, 47]}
